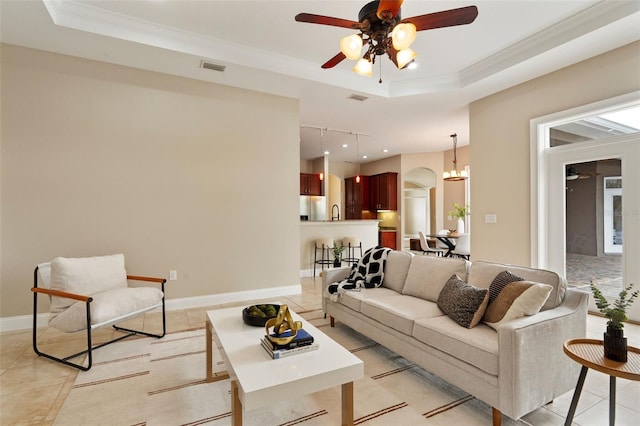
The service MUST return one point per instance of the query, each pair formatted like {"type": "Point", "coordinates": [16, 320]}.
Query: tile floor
{"type": "Point", "coordinates": [32, 390]}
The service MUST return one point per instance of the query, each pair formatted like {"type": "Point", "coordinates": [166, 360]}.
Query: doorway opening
{"type": "Point", "coordinates": [419, 211]}
{"type": "Point", "coordinates": [554, 155]}
{"type": "Point", "coordinates": [591, 210]}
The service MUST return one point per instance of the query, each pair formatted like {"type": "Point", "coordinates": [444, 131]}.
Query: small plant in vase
{"type": "Point", "coordinates": [615, 344]}
{"type": "Point", "coordinates": [337, 255]}
{"type": "Point", "coordinates": [460, 213]}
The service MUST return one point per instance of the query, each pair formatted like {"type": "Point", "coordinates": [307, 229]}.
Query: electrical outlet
{"type": "Point", "coordinates": [173, 275]}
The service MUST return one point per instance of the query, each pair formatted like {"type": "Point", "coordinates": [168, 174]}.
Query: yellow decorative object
{"type": "Point", "coordinates": [281, 323]}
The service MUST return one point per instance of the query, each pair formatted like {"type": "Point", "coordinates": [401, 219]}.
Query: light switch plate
{"type": "Point", "coordinates": [490, 218]}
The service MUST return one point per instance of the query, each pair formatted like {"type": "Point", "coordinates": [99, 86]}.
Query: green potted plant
{"type": "Point", "coordinates": [337, 255]}
{"type": "Point", "coordinates": [459, 213]}
{"type": "Point", "coordinates": [615, 344]}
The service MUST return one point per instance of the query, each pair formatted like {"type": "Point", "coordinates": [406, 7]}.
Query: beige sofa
{"type": "Point", "coordinates": [515, 369]}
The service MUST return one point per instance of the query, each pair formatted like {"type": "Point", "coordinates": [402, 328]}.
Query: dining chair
{"type": "Point", "coordinates": [426, 249]}
{"type": "Point", "coordinates": [463, 247]}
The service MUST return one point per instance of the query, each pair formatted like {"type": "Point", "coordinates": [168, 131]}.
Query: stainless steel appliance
{"type": "Point", "coordinates": [314, 207]}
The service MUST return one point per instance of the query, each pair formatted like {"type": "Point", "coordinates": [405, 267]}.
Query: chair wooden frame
{"type": "Point", "coordinates": [87, 300]}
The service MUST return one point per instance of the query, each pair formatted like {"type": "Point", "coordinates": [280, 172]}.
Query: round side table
{"type": "Point", "coordinates": [590, 354]}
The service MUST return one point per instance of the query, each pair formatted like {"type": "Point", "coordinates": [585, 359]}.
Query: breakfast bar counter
{"type": "Point", "coordinates": [364, 230]}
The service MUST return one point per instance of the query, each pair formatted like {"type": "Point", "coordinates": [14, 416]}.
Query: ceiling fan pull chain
{"type": "Point", "coordinates": [380, 81]}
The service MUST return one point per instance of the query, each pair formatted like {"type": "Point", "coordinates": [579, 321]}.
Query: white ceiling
{"type": "Point", "coordinates": [264, 49]}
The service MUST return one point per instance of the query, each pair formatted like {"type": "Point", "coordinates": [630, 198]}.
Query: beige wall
{"type": "Point", "coordinates": [499, 148]}
{"type": "Point", "coordinates": [174, 173]}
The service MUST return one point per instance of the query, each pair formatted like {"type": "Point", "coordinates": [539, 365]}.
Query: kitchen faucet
{"type": "Point", "coordinates": [335, 206]}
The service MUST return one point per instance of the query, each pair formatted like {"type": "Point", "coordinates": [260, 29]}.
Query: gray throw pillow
{"type": "Point", "coordinates": [463, 303]}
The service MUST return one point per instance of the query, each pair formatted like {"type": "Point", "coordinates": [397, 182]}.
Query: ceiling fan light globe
{"type": "Point", "coordinates": [404, 57]}
{"type": "Point", "coordinates": [403, 35]}
{"type": "Point", "coordinates": [351, 46]}
{"type": "Point", "coordinates": [364, 67]}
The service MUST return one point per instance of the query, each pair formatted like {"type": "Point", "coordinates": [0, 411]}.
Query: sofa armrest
{"type": "Point", "coordinates": [533, 369]}
{"type": "Point", "coordinates": [331, 276]}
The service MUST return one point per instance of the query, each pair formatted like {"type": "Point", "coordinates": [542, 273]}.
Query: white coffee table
{"type": "Point", "coordinates": [257, 380]}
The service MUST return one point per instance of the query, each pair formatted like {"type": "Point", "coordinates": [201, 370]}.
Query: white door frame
{"type": "Point", "coordinates": [608, 212]}
{"type": "Point", "coordinates": [547, 184]}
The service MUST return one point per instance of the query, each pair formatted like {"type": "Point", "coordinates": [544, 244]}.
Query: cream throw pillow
{"type": "Point", "coordinates": [516, 300]}
{"type": "Point", "coordinates": [86, 276]}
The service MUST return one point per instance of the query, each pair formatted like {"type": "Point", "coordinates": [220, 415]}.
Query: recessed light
{"type": "Point", "coordinates": [344, 145]}
{"type": "Point", "coordinates": [364, 156]}
{"type": "Point", "coordinates": [385, 150]}
{"type": "Point", "coordinates": [326, 153]}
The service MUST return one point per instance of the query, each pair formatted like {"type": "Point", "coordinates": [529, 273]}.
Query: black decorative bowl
{"type": "Point", "coordinates": [256, 320]}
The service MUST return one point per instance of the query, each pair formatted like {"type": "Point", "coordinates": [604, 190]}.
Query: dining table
{"type": "Point", "coordinates": [446, 239]}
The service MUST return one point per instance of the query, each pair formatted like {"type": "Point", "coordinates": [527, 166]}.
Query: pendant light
{"type": "Point", "coordinates": [358, 158]}
{"type": "Point", "coordinates": [454, 174]}
{"type": "Point", "coordinates": [322, 151]}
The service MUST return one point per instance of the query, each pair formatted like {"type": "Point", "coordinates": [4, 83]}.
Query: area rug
{"type": "Point", "coordinates": [161, 382]}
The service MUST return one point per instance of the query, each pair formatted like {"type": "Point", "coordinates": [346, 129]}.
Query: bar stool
{"type": "Point", "coordinates": [325, 245]}
{"type": "Point", "coordinates": [351, 244]}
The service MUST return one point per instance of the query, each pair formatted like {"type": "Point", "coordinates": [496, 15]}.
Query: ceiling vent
{"type": "Point", "coordinates": [358, 97]}
{"type": "Point", "coordinates": [212, 66]}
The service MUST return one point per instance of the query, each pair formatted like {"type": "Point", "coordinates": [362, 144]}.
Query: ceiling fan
{"type": "Point", "coordinates": [384, 32]}
{"type": "Point", "coordinates": [573, 174]}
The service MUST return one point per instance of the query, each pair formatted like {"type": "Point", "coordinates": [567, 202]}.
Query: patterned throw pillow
{"type": "Point", "coordinates": [499, 282]}
{"type": "Point", "coordinates": [463, 303]}
{"type": "Point", "coordinates": [516, 300]}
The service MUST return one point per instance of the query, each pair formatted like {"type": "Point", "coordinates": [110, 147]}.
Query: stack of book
{"type": "Point", "coordinates": [303, 342]}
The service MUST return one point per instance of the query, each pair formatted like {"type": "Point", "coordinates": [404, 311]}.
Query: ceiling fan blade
{"type": "Point", "coordinates": [388, 9]}
{"type": "Point", "coordinates": [327, 20]}
{"type": "Point", "coordinates": [393, 55]}
{"type": "Point", "coordinates": [334, 61]}
{"type": "Point", "coordinates": [446, 18]}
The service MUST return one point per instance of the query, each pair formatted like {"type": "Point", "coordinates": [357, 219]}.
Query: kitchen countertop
{"type": "Point", "coordinates": [339, 222]}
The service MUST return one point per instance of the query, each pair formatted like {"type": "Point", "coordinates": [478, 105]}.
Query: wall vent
{"type": "Point", "coordinates": [358, 97]}
{"type": "Point", "coordinates": [212, 66]}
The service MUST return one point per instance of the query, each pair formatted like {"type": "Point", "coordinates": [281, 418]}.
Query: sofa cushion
{"type": "Point", "coordinates": [463, 303]}
{"type": "Point", "coordinates": [499, 282]}
{"type": "Point", "coordinates": [516, 300]}
{"type": "Point", "coordinates": [477, 346]}
{"type": "Point", "coordinates": [86, 276]}
{"type": "Point", "coordinates": [482, 273]}
{"type": "Point", "coordinates": [428, 274]}
{"type": "Point", "coordinates": [399, 312]}
{"type": "Point", "coordinates": [107, 306]}
{"type": "Point", "coordinates": [353, 299]}
{"type": "Point", "coordinates": [396, 269]}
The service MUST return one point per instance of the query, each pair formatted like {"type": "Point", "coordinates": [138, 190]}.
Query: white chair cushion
{"type": "Point", "coordinates": [118, 304]}
{"type": "Point", "coordinates": [86, 276]}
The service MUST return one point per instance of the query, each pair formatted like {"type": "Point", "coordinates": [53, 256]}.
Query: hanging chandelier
{"type": "Point", "coordinates": [454, 175]}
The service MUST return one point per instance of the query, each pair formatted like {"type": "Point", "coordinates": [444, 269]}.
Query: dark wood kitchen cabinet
{"type": "Point", "coordinates": [356, 197]}
{"type": "Point", "coordinates": [384, 191]}
{"type": "Point", "coordinates": [310, 184]}
{"type": "Point", "coordinates": [387, 239]}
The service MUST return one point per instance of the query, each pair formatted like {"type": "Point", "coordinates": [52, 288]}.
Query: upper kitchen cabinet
{"type": "Point", "coordinates": [310, 184]}
{"type": "Point", "coordinates": [384, 191]}
{"type": "Point", "coordinates": [356, 197]}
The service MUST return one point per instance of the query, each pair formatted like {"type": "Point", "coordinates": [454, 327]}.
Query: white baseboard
{"type": "Point", "coordinates": [25, 322]}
